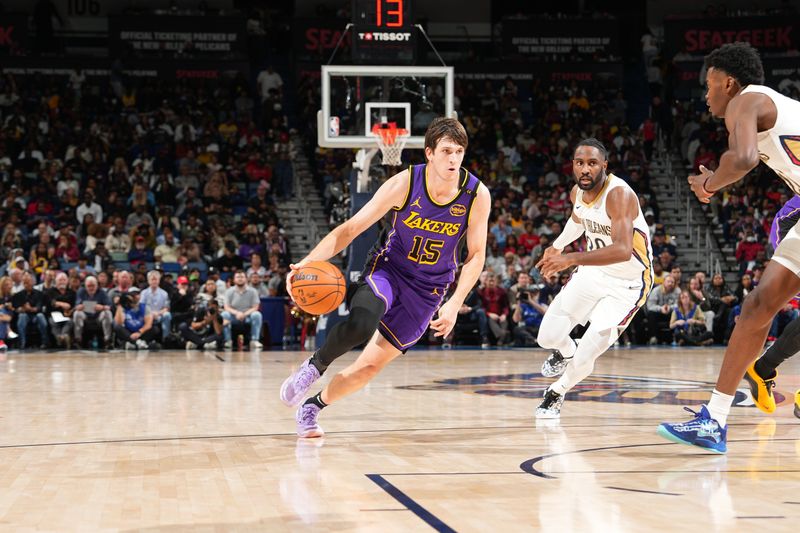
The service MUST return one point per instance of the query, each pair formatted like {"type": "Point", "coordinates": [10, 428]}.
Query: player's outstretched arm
{"type": "Point", "coordinates": [473, 266]}
{"type": "Point", "coordinates": [741, 120]}
{"type": "Point", "coordinates": [385, 198]}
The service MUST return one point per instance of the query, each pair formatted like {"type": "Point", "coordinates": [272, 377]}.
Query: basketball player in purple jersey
{"type": "Point", "coordinates": [760, 376]}
{"type": "Point", "coordinates": [433, 208]}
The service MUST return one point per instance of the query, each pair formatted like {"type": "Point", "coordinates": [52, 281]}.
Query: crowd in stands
{"type": "Point", "coordinates": [127, 207]}
{"type": "Point", "coordinates": [126, 187]}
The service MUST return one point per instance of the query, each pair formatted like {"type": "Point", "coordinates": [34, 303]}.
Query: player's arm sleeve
{"type": "Point", "coordinates": [569, 234]}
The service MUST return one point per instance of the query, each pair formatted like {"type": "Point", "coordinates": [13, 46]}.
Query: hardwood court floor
{"type": "Point", "coordinates": [176, 441]}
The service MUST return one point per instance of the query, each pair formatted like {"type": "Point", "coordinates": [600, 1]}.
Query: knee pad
{"type": "Point", "coordinates": [360, 326]}
{"type": "Point", "coordinates": [553, 330]}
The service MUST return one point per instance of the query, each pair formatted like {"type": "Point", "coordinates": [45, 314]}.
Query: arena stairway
{"type": "Point", "coordinates": [303, 216]}
{"type": "Point", "coordinates": [697, 238]}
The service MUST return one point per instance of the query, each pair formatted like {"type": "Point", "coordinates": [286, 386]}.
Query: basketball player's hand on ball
{"type": "Point", "coordinates": [553, 262]}
{"type": "Point", "coordinates": [444, 323]}
{"type": "Point", "coordinates": [293, 268]}
{"type": "Point", "coordinates": [698, 184]}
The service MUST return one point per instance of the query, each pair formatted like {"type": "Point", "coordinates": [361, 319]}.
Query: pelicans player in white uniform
{"type": "Point", "coordinates": [762, 125]}
{"type": "Point", "coordinates": [613, 279]}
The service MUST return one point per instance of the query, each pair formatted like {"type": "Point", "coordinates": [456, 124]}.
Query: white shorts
{"type": "Point", "coordinates": [607, 302]}
{"type": "Point", "coordinates": [788, 251]}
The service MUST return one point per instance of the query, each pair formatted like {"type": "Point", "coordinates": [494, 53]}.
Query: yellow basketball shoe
{"type": "Point", "coordinates": [797, 403]}
{"type": "Point", "coordinates": [761, 389]}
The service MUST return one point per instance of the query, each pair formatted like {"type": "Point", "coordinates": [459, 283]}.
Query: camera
{"type": "Point", "coordinates": [212, 310]}
{"type": "Point", "coordinates": [125, 301]}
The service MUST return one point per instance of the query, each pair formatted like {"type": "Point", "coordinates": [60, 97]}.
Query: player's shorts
{"type": "Point", "coordinates": [410, 305]}
{"type": "Point", "coordinates": [608, 302]}
{"type": "Point", "coordinates": [788, 251]}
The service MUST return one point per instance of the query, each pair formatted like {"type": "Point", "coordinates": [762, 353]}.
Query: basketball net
{"type": "Point", "coordinates": [391, 140]}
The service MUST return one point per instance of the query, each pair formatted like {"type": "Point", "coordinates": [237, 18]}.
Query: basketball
{"type": "Point", "coordinates": [318, 287]}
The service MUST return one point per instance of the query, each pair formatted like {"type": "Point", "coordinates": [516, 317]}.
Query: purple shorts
{"type": "Point", "coordinates": [410, 305]}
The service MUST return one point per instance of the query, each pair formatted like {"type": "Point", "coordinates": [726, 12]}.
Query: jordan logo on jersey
{"type": "Point", "coordinates": [791, 145]}
{"type": "Point", "coordinates": [435, 292]}
{"type": "Point", "coordinates": [416, 203]}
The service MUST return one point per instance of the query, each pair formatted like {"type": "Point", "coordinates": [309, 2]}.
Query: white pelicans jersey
{"type": "Point", "coordinates": [779, 146]}
{"type": "Point", "coordinates": [597, 229]}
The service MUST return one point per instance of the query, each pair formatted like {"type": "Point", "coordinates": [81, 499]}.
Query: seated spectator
{"type": "Point", "coordinates": [229, 261]}
{"type": "Point", "coordinates": [206, 328]}
{"type": "Point", "coordinates": [118, 241]}
{"type": "Point", "coordinates": [471, 311]}
{"type": "Point", "coordinates": [83, 268]}
{"type": "Point", "coordinates": [745, 287]}
{"type": "Point", "coordinates": [241, 308]}
{"type": "Point", "coordinates": [140, 253]}
{"type": "Point", "coordinates": [722, 301]}
{"type": "Point", "coordinates": [133, 323]}
{"type": "Point", "coordinates": [208, 293]}
{"type": "Point", "coordinates": [258, 285]}
{"type": "Point", "coordinates": [29, 305]}
{"type": "Point", "coordinates": [495, 303]}
{"type": "Point", "coordinates": [6, 311]}
{"type": "Point", "coordinates": [528, 316]}
{"type": "Point", "coordinates": [747, 250]}
{"type": "Point", "coordinates": [256, 266]}
{"type": "Point", "coordinates": [61, 305]}
{"type": "Point", "coordinates": [182, 302]}
{"type": "Point", "coordinates": [167, 252]}
{"type": "Point", "coordinates": [688, 324]}
{"type": "Point", "coordinates": [92, 306]}
{"type": "Point", "coordinates": [702, 299]}
{"type": "Point", "coordinates": [785, 315]}
{"type": "Point", "coordinates": [66, 250]}
{"type": "Point", "coordinates": [659, 309]}
{"type": "Point", "coordinates": [157, 301]}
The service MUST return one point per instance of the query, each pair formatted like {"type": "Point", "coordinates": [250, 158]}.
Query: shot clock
{"type": "Point", "coordinates": [383, 32]}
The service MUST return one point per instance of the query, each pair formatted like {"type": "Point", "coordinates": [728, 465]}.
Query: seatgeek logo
{"type": "Point", "coordinates": [384, 36]}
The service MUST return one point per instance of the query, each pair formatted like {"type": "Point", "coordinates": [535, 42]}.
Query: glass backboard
{"type": "Point", "coordinates": [355, 97]}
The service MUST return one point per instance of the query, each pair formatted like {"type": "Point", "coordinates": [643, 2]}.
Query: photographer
{"type": "Point", "coordinates": [528, 315]}
{"type": "Point", "coordinates": [133, 322]}
{"type": "Point", "coordinates": [207, 327]}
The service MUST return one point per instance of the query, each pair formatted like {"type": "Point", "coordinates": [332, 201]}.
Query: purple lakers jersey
{"type": "Point", "coordinates": [423, 238]}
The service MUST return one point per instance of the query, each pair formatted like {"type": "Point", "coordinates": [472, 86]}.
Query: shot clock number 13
{"type": "Point", "coordinates": [382, 14]}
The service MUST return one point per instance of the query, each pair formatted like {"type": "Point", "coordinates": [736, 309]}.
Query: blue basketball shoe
{"type": "Point", "coordinates": [702, 431]}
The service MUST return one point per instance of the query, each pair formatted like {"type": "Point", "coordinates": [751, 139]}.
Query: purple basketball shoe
{"type": "Point", "coordinates": [306, 419]}
{"type": "Point", "coordinates": [296, 386]}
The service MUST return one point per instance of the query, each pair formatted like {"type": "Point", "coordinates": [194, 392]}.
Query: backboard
{"type": "Point", "coordinates": [355, 97]}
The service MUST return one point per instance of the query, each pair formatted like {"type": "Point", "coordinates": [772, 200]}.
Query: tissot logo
{"type": "Point", "coordinates": [384, 36]}
{"type": "Point", "coordinates": [595, 388]}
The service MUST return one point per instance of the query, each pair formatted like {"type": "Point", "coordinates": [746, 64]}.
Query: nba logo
{"type": "Point", "coordinates": [333, 127]}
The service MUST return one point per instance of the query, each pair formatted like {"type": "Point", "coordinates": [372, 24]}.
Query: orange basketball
{"type": "Point", "coordinates": [318, 287]}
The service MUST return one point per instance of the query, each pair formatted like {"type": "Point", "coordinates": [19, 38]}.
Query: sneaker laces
{"type": "Point", "coordinates": [550, 399]}
{"type": "Point", "coordinates": [695, 413]}
{"type": "Point", "coordinates": [308, 415]}
{"type": "Point", "coordinates": [306, 377]}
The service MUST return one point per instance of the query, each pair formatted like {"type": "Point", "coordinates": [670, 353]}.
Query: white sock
{"type": "Point", "coordinates": [719, 406]}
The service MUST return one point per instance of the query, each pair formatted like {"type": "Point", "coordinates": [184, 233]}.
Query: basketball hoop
{"type": "Point", "coordinates": [391, 140]}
